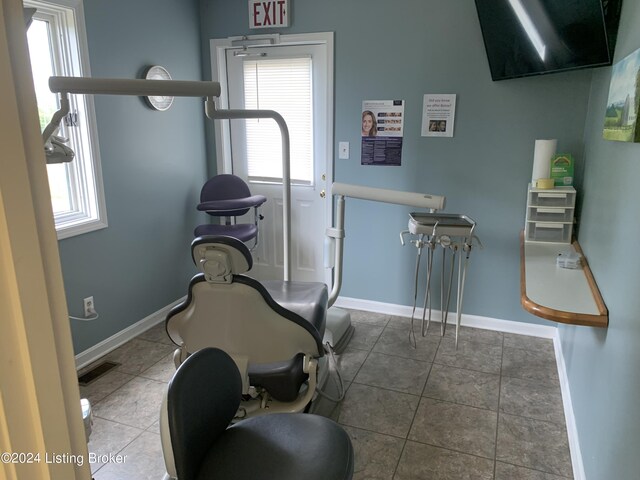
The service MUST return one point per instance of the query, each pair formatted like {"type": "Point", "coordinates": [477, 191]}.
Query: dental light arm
{"type": "Point", "coordinates": [56, 119]}
{"type": "Point", "coordinates": [134, 86]}
{"type": "Point", "coordinates": [177, 88]}
{"type": "Point", "coordinates": [122, 86]}
{"type": "Point", "coordinates": [342, 190]}
{"type": "Point", "coordinates": [215, 114]}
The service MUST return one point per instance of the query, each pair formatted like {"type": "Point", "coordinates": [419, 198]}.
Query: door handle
{"type": "Point", "coordinates": [323, 193]}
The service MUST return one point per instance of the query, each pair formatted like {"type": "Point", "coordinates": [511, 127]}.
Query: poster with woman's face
{"type": "Point", "coordinates": [369, 124]}
{"type": "Point", "coordinates": [382, 132]}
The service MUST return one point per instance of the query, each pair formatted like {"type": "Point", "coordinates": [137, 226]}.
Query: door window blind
{"type": "Point", "coordinates": [283, 85]}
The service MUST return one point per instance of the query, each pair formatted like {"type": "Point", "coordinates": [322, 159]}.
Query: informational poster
{"type": "Point", "coordinates": [382, 132]}
{"type": "Point", "coordinates": [438, 115]}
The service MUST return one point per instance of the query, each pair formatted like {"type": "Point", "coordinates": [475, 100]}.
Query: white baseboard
{"type": "Point", "coordinates": [507, 326]}
{"type": "Point", "coordinates": [476, 321]}
{"type": "Point", "coordinates": [570, 419]}
{"type": "Point", "coordinates": [92, 354]}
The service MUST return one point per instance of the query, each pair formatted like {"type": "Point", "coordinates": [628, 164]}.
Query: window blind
{"type": "Point", "coordinates": [283, 85]}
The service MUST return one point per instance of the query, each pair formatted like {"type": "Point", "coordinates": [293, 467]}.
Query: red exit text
{"type": "Point", "coordinates": [268, 13]}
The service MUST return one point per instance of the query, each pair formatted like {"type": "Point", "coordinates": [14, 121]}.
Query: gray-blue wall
{"type": "Point", "coordinates": [402, 50]}
{"type": "Point", "coordinates": [602, 364]}
{"type": "Point", "coordinates": [153, 164]}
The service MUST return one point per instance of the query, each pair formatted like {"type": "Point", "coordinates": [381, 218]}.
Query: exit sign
{"type": "Point", "coordinates": [268, 13]}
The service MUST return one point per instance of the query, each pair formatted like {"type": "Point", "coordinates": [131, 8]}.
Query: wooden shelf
{"type": "Point", "coordinates": [559, 294]}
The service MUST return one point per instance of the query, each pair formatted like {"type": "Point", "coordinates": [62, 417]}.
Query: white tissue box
{"type": "Point", "coordinates": [569, 260]}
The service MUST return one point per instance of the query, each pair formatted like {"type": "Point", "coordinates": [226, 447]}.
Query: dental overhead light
{"type": "Point", "coordinates": [56, 151]}
{"type": "Point", "coordinates": [529, 28]}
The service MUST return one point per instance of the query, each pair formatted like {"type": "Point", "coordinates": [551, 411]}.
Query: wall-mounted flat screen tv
{"type": "Point", "coordinates": [533, 37]}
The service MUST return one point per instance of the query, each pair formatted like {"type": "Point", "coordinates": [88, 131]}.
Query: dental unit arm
{"type": "Point", "coordinates": [438, 228]}
{"type": "Point", "coordinates": [336, 234]}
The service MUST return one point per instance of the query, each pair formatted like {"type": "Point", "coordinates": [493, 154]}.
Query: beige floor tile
{"type": "Point", "coordinates": [136, 404]}
{"type": "Point", "coordinates": [137, 355]}
{"type": "Point", "coordinates": [395, 373]}
{"type": "Point", "coordinates": [378, 410]}
{"type": "Point", "coordinates": [527, 342]}
{"type": "Point", "coordinates": [365, 336]}
{"type": "Point", "coordinates": [530, 364]}
{"type": "Point", "coordinates": [142, 460]}
{"type": "Point", "coordinates": [457, 427]}
{"type": "Point", "coordinates": [470, 355]}
{"type": "Point", "coordinates": [530, 398]}
{"type": "Point", "coordinates": [421, 462]}
{"type": "Point", "coordinates": [467, 387]}
{"type": "Point", "coordinates": [534, 444]}
{"type": "Point", "coordinates": [350, 362]}
{"type": "Point", "coordinates": [376, 455]}
{"type": "Point", "coordinates": [161, 371]}
{"type": "Point", "coordinates": [158, 334]}
{"type": "Point", "coordinates": [395, 341]}
{"type": "Point", "coordinates": [504, 471]}
{"type": "Point", "coordinates": [371, 318]}
{"type": "Point", "coordinates": [108, 438]}
{"type": "Point", "coordinates": [104, 386]}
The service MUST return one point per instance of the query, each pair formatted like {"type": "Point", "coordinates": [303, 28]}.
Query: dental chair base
{"type": "Point", "coordinates": [339, 329]}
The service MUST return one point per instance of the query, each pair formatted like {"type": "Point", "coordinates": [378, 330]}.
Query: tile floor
{"type": "Point", "coordinates": [491, 409]}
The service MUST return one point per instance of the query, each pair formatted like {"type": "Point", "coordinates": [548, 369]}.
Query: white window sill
{"type": "Point", "coordinates": [79, 229]}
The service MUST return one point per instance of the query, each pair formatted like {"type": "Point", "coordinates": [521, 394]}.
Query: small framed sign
{"type": "Point", "coordinates": [268, 13]}
{"type": "Point", "coordinates": [438, 115]}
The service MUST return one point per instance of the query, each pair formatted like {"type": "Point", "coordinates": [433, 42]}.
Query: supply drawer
{"type": "Point", "coordinates": [558, 197]}
{"type": "Point", "coordinates": [550, 214]}
{"type": "Point", "coordinates": [548, 232]}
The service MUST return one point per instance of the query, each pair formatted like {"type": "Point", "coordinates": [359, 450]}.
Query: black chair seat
{"type": "Point", "coordinates": [282, 380]}
{"type": "Point", "coordinates": [202, 399]}
{"type": "Point", "coordinates": [280, 447]}
{"type": "Point", "coordinates": [242, 231]}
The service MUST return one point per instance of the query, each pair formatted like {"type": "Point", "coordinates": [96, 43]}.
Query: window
{"type": "Point", "coordinates": [57, 46]}
{"type": "Point", "coordinates": [263, 80]}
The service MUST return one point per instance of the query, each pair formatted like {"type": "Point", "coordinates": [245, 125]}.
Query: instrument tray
{"type": "Point", "coordinates": [453, 225]}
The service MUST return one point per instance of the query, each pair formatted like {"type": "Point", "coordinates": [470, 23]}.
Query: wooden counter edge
{"type": "Point", "coordinates": [573, 318]}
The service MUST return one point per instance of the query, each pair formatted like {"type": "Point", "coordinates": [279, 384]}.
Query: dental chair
{"type": "Point", "coordinates": [273, 330]}
{"type": "Point", "coordinates": [229, 196]}
{"type": "Point", "coordinates": [198, 443]}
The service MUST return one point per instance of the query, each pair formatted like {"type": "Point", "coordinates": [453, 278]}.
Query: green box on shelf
{"type": "Point", "coordinates": [562, 170]}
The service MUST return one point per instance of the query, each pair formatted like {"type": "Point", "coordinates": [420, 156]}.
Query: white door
{"type": "Point", "coordinates": [292, 80]}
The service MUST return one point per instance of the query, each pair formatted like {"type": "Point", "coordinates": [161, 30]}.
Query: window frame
{"type": "Point", "coordinates": [70, 57]}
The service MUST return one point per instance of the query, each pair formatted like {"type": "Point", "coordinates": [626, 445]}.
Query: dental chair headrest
{"type": "Point", "coordinates": [219, 257]}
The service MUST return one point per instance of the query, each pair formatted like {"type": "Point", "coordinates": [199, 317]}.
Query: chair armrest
{"type": "Point", "coordinates": [231, 205]}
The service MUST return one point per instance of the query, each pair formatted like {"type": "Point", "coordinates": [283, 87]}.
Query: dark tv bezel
{"type": "Point", "coordinates": [610, 23]}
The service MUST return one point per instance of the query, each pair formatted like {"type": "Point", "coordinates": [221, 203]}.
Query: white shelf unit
{"type": "Point", "coordinates": [549, 216]}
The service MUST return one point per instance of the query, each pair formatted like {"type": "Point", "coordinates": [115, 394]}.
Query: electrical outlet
{"type": "Point", "coordinates": [89, 307]}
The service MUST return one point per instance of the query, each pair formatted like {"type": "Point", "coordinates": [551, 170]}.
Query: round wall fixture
{"type": "Point", "coordinates": [157, 72]}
